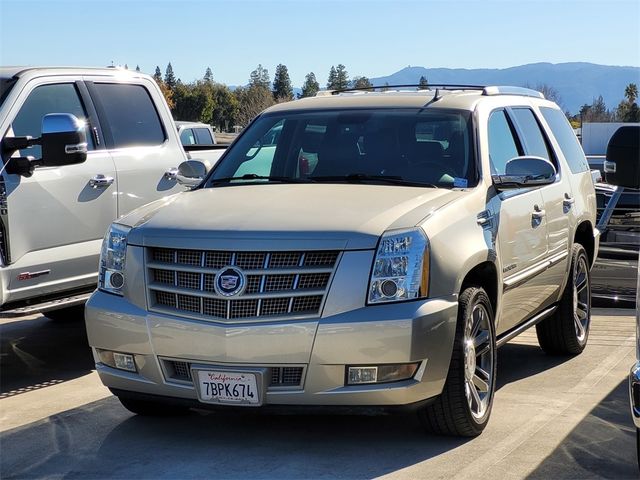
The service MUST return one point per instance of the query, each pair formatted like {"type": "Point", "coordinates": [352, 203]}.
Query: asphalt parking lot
{"type": "Point", "coordinates": [553, 417]}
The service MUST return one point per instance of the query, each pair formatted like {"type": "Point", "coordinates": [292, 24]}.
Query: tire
{"type": "Point", "coordinates": [151, 409]}
{"type": "Point", "coordinates": [566, 332]}
{"type": "Point", "coordinates": [464, 407]}
{"type": "Point", "coordinates": [67, 314]}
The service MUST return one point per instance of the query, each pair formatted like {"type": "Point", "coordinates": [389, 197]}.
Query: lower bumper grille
{"type": "Point", "coordinates": [276, 376]}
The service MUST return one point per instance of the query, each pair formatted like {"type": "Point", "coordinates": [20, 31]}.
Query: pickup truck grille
{"type": "Point", "coordinates": [278, 284]}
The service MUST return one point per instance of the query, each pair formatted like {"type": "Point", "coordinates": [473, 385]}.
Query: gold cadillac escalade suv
{"type": "Point", "coordinates": [355, 249]}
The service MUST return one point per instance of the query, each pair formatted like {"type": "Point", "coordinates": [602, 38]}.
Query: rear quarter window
{"type": "Point", "coordinates": [566, 138]}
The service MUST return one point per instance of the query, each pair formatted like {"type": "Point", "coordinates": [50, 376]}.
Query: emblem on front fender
{"type": "Point", "coordinates": [229, 281]}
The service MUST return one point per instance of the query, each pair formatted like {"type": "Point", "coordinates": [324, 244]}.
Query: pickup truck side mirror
{"type": "Point", "coordinates": [524, 172]}
{"type": "Point", "coordinates": [63, 140]}
{"type": "Point", "coordinates": [191, 173]}
{"type": "Point", "coordinates": [622, 165]}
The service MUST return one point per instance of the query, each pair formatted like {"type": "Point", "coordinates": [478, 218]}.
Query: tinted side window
{"type": "Point", "coordinates": [567, 140]}
{"type": "Point", "coordinates": [131, 115]}
{"type": "Point", "coordinates": [502, 144]}
{"type": "Point", "coordinates": [534, 141]}
{"type": "Point", "coordinates": [45, 99]}
{"type": "Point", "coordinates": [187, 137]}
{"type": "Point", "coordinates": [204, 136]}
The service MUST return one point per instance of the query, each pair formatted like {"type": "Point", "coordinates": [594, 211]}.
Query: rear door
{"type": "Point", "coordinates": [55, 218]}
{"type": "Point", "coordinates": [141, 138]}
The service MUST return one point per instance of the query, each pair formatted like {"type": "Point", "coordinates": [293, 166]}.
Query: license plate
{"type": "Point", "coordinates": [228, 387]}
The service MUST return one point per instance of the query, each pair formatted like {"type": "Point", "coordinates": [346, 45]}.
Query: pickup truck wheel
{"type": "Point", "coordinates": [567, 330]}
{"type": "Point", "coordinates": [151, 409]}
{"type": "Point", "coordinates": [67, 314]}
{"type": "Point", "coordinates": [464, 406]}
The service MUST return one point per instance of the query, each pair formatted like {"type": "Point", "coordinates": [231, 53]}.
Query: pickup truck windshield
{"type": "Point", "coordinates": [401, 147]}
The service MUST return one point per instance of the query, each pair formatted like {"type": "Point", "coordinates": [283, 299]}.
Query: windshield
{"type": "Point", "coordinates": [5, 87]}
{"type": "Point", "coordinates": [417, 147]}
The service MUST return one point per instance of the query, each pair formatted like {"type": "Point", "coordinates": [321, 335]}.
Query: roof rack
{"type": "Point", "coordinates": [486, 90]}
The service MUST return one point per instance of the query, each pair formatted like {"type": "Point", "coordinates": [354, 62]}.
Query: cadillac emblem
{"type": "Point", "coordinates": [229, 281]}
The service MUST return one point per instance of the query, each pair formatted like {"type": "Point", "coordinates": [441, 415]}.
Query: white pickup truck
{"type": "Point", "coordinates": [80, 147]}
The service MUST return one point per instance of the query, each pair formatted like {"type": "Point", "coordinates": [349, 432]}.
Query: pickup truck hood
{"type": "Point", "coordinates": [340, 216]}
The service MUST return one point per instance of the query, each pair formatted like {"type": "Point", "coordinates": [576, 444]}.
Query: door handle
{"type": "Point", "coordinates": [101, 181]}
{"type": "Point", "coordinates": [568, 200]}
{"type": "Point", "coordinates": [171, 174]}
{"type": "Point", "coordinates": [538, 213]}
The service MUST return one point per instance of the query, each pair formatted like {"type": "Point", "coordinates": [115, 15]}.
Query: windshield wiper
{"type": "Point", "coordinates": [253, 176]}
{"type": "Point", "coordinates": [364, 177]}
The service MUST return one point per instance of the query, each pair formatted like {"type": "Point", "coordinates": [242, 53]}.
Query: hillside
{"type": "Point", "coordinates": [577, 83]}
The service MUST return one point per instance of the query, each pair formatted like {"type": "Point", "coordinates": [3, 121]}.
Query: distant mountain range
{"type": "Point", "coordinates": [577, 83]}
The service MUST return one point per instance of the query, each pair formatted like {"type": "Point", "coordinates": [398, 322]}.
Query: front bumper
{"type": "Point", "coordinates": [634, 393]}
{"type": "Point", "coordinates": [418, 331]}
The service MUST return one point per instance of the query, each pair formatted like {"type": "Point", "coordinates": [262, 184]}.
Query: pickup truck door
{"type": "Point", "coordinates": [141, 138]}
{"type": "Point", "coordinates": [519, 224]}
{"type": "Point", "coordinates": [55, 219]}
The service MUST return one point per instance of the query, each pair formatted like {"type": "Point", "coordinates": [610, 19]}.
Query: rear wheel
{"type": "Point", "coordinates": [464, 407]}
{"type": "Point", "coordinates": [567, 330]}
{"type": "Point", "coordinates": [151, 409]}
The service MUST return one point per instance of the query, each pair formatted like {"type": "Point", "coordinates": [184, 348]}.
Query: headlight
{"type": "Point", "coordinates": [113, 259]}
{"type": "Point", "coordinates": [401, 267]}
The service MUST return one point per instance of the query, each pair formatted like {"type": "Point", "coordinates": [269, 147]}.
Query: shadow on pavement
{"type": "Point", "coordinates": [602, 445]}
{"type": "Point", "coordinates": [517, 362]}
{"type": "Point", "coordinates": [38, 352]}
{"type": "Point", "coordinates": [84, 443]}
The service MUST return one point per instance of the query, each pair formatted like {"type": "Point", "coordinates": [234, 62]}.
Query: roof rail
{"type": "Point", "coordinates": [506, 90]}
{"type": "Point", "coordinates": [431, 86]}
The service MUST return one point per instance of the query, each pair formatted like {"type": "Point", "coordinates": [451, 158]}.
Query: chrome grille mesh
{"type": "Point", "coordinates": [276, 376]}
{"type": "Point", "coordinates": [278, 284]}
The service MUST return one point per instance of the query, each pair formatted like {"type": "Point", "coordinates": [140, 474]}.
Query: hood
{"type": "Point", "coordinates": [323, 216]}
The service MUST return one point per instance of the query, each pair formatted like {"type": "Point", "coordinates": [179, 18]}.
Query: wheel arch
{"type": "Point", "coordinates": [584, 236]}
{"type": "Point", "coordinates": [485, 275]}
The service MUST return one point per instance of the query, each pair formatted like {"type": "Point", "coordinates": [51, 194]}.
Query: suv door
{"type": "Point", "coordinates": [56, 218]}
{"type": "Point", "coordinates": [558, 203]}
{"type": "Point", "coordinates": [141, 138]}
{"type": "Point", "coordinates": [521, 235]}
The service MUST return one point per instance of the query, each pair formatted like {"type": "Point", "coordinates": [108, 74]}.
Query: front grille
{"type": "Point", "coordinates": [276, 376]}
{"type": "Point", "coordinates": [278, 284]}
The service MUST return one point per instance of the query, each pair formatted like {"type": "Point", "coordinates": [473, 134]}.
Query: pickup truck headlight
{"type": "Point", "coordinates": [401, 267]}
{"type": "Point", "coordinates": [113, 259]}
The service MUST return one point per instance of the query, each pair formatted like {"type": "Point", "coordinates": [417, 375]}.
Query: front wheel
{"type": "Point", "coordinates": [464, 407]}
{"type": "Point", "coordinates": [567, 330]}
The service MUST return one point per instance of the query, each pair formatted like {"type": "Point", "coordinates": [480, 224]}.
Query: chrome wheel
{"type": "Point", "coordinates": [479, 358]}
{"type": "Point", "coordinates": [581, 300]}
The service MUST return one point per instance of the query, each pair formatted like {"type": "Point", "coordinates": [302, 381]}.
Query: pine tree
{"type": "Point", "coordinates": [208, 75]}
{"type": "Point", "coordinates": [331, 81]}
{"type": "Point", "coordinates": [361, 82]}
{"type": "Point", "coordinates": [158, 75]}
{"type": "Point", "coordinates": [342, 77]}
{"type": "Point", "coordinates": [424, 84]}
{"type": "Point", "coordinates": [310, 87]}
{"type": "Point", "coordinates": [169, 77]}
{"type": "Point", "coordinates": [137, 68]}
{"type": "Point", "coordinates": [282, 89]}
{"type": "Point", "coordinates": [260, 77]}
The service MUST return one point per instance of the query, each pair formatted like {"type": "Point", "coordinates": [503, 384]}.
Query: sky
{"type": "Point", "coordinates": [371, 38]}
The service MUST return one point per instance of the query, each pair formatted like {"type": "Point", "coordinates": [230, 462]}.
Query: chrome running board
{"type": "Point", "coordinates": [505, 337]}
{"type": "Point", "coordinates": [46, 306]}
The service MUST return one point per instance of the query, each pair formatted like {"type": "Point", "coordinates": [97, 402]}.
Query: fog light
{"type": "Point", "coordinates": [121, 361]}
{"type": "Point", "coordinates": [380, 373]}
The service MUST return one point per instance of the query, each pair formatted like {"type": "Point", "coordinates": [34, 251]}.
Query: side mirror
{"type": "Point", "coordinates": [63, 140]}
{"type": "Point", "coordinates": [622, 165]}
{"type": "Point", "coordinates": [191, 173]}
{"type": "Point", "coordinates": [525, 172]}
